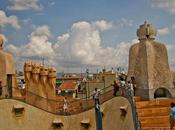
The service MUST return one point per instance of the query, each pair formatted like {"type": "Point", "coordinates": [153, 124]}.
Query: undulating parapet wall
{"type": "Point", "coordinates": [32, 118]}
{"type": "Point", "coordinates": [40, 85]}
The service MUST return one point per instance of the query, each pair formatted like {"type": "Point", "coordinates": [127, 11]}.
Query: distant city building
{"type": "Point", "coordinates": [68, 88]}
{"type": "Point", "coordinates": [101, 80]}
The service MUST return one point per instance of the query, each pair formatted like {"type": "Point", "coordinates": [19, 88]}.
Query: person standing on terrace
{"type": "Point", "coordinates": [0, 88]}
{"type": "Point", "coordinates": [65, 105]}
{"type": "Point", "coordinates": [122, 85]}
{"type": "Point", "coordinates": [116, 87]}
{"type": "Point", "coordinates": [134, 84]}
{"type": "Point", "coordinates": [172, 114]}
{"type": "Point", "coordinates": [96, 94]}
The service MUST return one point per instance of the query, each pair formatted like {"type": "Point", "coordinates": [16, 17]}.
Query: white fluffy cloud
{"type": "Point", "coordinates": [8, 20]}
{"type": "Point", "coordinates": [102, 25]}
{"type": "Point", "coordinates": [173, 26]}
{"type": "Point", "coordinates": [163, 31]}
{"type": "Point", "coordinates": [81, 46]}
{"type": "Point", "coordinates": [168, 5]}
{"type": "Point", "coordinates": [125, 22]}
{"type": "Point", "coordinates": [24, 5]}
{"type": "Point", "coordinates": [38, 47]}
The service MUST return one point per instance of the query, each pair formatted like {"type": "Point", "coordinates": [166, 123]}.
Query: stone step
{"type": "Point", "coordinates": [162, 125]}
{"type": "Point", "coordinates": [156, 111]}
{"type": "Point", "coordinates": [155, 120]}
{"type": "Point", "coordinates": [156, 128]}
{"type": "Point", "coordinates": [153, 103]}
{"type": "Point", "coordinates": [137, 98]}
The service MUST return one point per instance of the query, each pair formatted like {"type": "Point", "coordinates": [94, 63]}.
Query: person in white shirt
{"type": "Point", "coordinates": [116, 86]}
{"type": "Point", "coordinates": [122, 85]}
{"type": "Point", "coordinates": [96, 94]}
{"type": "Point", "coordinates": [0, 88]}
{"type": "Point", "coordinates": [65, 105]}
{"type": "Point", "coordinates": [131, 88]}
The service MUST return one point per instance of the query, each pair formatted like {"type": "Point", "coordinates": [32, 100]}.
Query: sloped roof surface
{"type": "Point", "coordinates": [69, 85]}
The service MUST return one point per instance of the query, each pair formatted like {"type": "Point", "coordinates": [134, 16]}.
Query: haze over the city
{"type": "Point", "coordinates": [73, 35]}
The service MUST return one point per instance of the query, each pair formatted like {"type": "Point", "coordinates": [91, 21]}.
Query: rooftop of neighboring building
{"type": "Point", "coordinates": [69, 85]}
{"type": "Point", "coordinates": [69, 78]}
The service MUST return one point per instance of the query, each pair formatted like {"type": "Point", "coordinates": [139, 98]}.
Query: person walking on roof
{"type": "Point", "coordinates": [172, 114]}
{"type": "Point", "coordinates": [96, 94]}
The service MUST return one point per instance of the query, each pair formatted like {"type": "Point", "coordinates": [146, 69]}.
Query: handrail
{"type": "Point", "coordinates": [102, 90]}
{"type": "Point", "coordinates": [129, 94]}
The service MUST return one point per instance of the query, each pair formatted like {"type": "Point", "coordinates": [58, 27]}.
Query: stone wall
{"type": "Point", "coordinates": [40, 85]}
{"type": "Point", "coordinates": [7, 73]}
{"type": "Point", "coordinates": [37, 119]}
{"type": "Point", "coordinates": [148, 64]}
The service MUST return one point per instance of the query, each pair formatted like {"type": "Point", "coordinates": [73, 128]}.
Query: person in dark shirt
{"type": "Point", "coordinates": [172, 114]}
{"type": "Point", "coordinates": [0, 88]}
{"type": "Point", "coordinates": [134, 84]}
{"type": "Point", "coordinates": [116, 87]}
{"type": "Point", "coordinates": [96, 94]}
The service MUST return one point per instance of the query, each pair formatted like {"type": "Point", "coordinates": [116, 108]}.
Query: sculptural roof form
{"type": "Point", "coordinates": [1, 42]}
{"type": "Point", "coordinates": [146, 31]}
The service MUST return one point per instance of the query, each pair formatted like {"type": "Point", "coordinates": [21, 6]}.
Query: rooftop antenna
{"type": "Point", "coordinates": [81, 72]}
{"type": "Point", "coordinates": [112, 70]}
{"type": "Point", "coordinates": [104, 69]}
{"type": "Point", "coordinates": [87, 73]}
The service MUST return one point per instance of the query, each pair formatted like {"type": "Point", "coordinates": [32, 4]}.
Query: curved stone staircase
{"type": "Point", "coordinates": [154, 114]}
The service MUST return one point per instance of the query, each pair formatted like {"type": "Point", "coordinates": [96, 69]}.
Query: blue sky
{"type": "Point", "coordinates": [75, 34]}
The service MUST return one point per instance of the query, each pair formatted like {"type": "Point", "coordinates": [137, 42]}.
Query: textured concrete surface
{"type": "Point", "coordinates": [148, 63]}
{"type": "Point", "coordinates": [154, 114]}
{"type": "Point", "coordinates": [7, 67]}
{"type": "Point", "coordinates": [40, 80]}
{"type": "Point", "coordinates": [37, 119]}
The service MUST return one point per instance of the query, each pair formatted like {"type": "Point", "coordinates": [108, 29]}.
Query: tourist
{"type": "Point", "coordinates": [116, 87]}
{"type": "Point", "coordinates": [134, 84]}
{"type": "Point", "coordinates": [172, 114]}
{"type": "Point", "coordinates": [96, 94]}
{"type": "Point", "coordinates": [23, 84]}
{"type": "Point", "coordinates": [122, 82]}
{"type": "Point", "coordinates": [65, 105]}
{"type": "Point", "coordinates": [122, 85]}
{"type": "Point", "coordinates": [131, 88]}
{"type": "Point", "coordinates": [0, 88]}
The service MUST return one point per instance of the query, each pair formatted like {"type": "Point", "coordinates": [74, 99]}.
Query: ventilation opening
{"type": "Point", "coordinates": [57, 123]}
{"type": "Point", "coordinates": [147, 36]}
{"type": "Point", "coordinates": [18, 110]}
{"type": "Point", "coordinates": [123, 110]}
{"type": "Point", "coordinates": [162, 93]}
{"type": "Point", "coordinates": [85, 123]}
